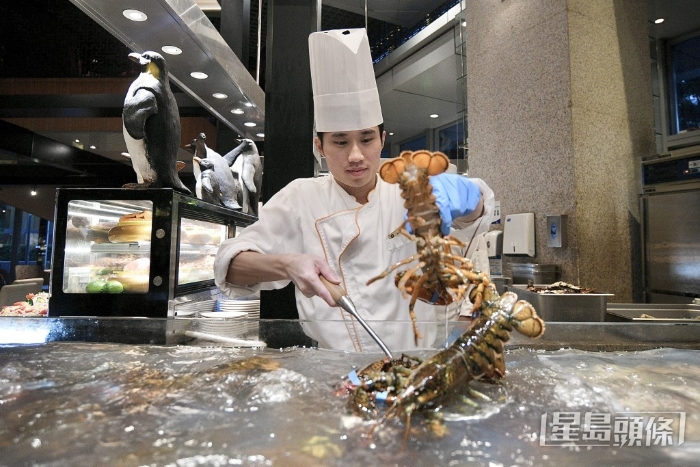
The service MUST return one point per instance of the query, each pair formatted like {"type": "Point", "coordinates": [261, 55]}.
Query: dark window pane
{"type": "Point", "coordinates": [685, 85]}
{"type": "Point", "coordinates": [450, 139]}
{"type": "Point", "coordinates": [415, 144]}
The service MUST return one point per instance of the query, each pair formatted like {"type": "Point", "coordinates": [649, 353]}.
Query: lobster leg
{"type": "Point", "coordinates": [407, 275]}
{"type": "Point", "coordinates": [416, 290]}
{"type": "Point", "coordinates": [388, 270]}
{"type": "Point", "coordinates": [465, 262]}
{"type": "Point", "coordinates": [451, 241]}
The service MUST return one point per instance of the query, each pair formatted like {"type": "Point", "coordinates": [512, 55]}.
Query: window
{"type": "Point", "coordinates": [24, 238]}
{"type": "Point", "coordinates": [415, 144]}
{"type": "Point", "coordinates": [451, 140]}
{"type": "Point", "coordinates": [684, 85]}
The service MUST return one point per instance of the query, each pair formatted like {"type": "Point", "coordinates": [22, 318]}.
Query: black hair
{"type": "Point", "coordinates": [321, 133]}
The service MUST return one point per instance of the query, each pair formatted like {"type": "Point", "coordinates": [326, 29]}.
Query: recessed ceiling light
{"type": "Point", "coordinates": [248, 104]}
{"type": "Point", "coordinates": [199, 75]}
{"type": "Point", "coordinates": [237, 111]}
{"type": "Point", "coordinates": [126, 154]}
{"type": "Point", "coordinates": [171, 50]}
{"type": "Point", "coordinates": [77, 140]}
{"type": "Point", "coordinates": [92, 146]}
{"type": "Point", "coordinates": [219, 95]}
{"type": "Point", "coordinates": [391, 134]}
{"type": "Point", "coordinates": [251, 124]}
{"type": "Point", "coordinates": [260, 135]}
{"type": "Point", "coordinates": [659, 20]}
{"type": "Point", "coordinates": [33, 192]}
{"type": "Point", "coordinates": [434, 115]}
{"type": "Point", "coordinates": [135, 15]}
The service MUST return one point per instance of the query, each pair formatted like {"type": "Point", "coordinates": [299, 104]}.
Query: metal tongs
{"type": "Point", "coordinates": [342, 299]}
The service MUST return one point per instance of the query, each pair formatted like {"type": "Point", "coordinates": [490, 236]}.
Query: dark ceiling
{"type": "Point", "coordinates": [42, 41]}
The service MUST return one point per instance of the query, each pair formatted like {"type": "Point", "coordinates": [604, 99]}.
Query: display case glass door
{"type": "Point", "coordinates": [108, 246]}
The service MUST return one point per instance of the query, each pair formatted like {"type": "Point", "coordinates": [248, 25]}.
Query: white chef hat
{"type": "Point", "coordinates": [342, 77]}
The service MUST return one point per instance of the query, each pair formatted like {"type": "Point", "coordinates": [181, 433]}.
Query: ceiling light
{"type": "Point", "coordinates": [199, 75]}
{"type": "Point", "coordinates": [391, 134]}
{"type": "Point", "coordinates": [77, 140]}
{"type": "Point", "coordinates": [236, 111]}
{"type": "Point", "coordinates": [33, 192]}
{"type": "Point", "coordinates": [92, 146]}
{"type": "Point", "coordinates": [659, 20]}
{"type": "Point", "coordinates": [135, 15]}
{"type": "Point", "coordinates": [251, 124]}
{"type": "Point", "coordinates": [260, 135]}
{"type": "Point", "coordinates": [248, 104]}
{"type": "Point", "coordinates": [434, 115]}
{"type": "Point", "coordinates": [219, 95]}
{"type": "Point", "coordinates": [171, 50]}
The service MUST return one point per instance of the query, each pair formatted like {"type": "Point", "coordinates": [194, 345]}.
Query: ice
{"type": "Point", "coordinates": [114, 404]}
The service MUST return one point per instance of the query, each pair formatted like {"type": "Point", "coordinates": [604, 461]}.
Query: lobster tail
{"type": "Point", "coordinates": [525, 320]}
{"type": "Point", "coordinates": [433, 163]}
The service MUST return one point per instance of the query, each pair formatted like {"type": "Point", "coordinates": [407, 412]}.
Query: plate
{"type": "Point", "coordinates": [238, 308]}
{"type": "Point", "coordinates": [223, 314]}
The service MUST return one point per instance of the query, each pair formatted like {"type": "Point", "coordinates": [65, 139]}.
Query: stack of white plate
{"type": "Point", "coordinates": [222, 323]}
{"type": "Point", "coordinates": [252, 307]}
{"type": "Point", "coordinates": [190, 309]}
{"type": "Point", "coordinates": [249, 306]}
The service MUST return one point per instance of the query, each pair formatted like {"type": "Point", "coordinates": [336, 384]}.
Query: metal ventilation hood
{"type": "Point", "coordinates": [181, 23]}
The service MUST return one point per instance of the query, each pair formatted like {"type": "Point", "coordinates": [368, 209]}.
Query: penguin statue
{"type": "Point", "coordinates": [246, 165]}
{"type": "Point", "coordinates": [151, 125]}
{"type": "Point", "coordinates": [179, 165]}
{"type": "Point", "coordinates": [196, 170]}
{"type": "Point", "coordinates": [208, 182]}
{"type": "Point", "coordinates": [228, 186]}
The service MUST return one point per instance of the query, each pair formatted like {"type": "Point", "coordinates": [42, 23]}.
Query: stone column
{"type": "Point", "coordinates": [560, 114]}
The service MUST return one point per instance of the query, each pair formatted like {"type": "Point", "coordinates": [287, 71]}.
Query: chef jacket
{"type": "Point", "coordinates": [317, 216]}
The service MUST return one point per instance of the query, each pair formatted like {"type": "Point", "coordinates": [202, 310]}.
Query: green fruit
{"type": "Point", "coordinates": [95, 286]}
{"type": "Point", "coordinates": [113, 287]}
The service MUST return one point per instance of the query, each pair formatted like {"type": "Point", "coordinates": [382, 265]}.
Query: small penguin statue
{"type": "Point", "coordinates": [228, 185]}
{"type": "Point", "coordinates": [151, 125]}
{"type": "Point", "coordinates": [246, 166]}
{"type": "Point", "coordinates": [208, 182]}
{"type": "Point", "coordinates": [196, 170]}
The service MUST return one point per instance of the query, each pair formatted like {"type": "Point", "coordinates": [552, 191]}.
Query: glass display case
{"type": "Point", "coordinates": [121, 252]}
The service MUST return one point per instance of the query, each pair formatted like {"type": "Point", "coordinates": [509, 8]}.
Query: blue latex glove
{"type": "Point", "coordinates": [455, 195]}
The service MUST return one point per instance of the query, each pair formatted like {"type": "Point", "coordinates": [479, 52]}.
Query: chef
{"type": "Point", "coordinates": [344, 227]}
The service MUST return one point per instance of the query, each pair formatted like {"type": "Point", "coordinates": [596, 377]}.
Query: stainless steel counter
{"type": "Point", "coordinates": [629, 335]}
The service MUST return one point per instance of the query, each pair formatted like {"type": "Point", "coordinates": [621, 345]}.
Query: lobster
{"type": "Point", "coordinates": [440, 277]}
{"type": "Point", "coordinates": [409, 384]}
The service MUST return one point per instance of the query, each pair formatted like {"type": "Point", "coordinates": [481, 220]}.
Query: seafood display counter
{"type": "Point", "coordinates": [72, 392]}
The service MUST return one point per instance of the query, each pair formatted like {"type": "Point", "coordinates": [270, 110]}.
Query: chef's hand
{"type": "Point", "coordinates": [304, 271]}
{"type": "Point", "coordinates": [456, 196]}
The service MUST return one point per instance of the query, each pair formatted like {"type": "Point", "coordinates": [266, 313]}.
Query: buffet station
{"type": "Point", "coordinates": [141, 361]}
